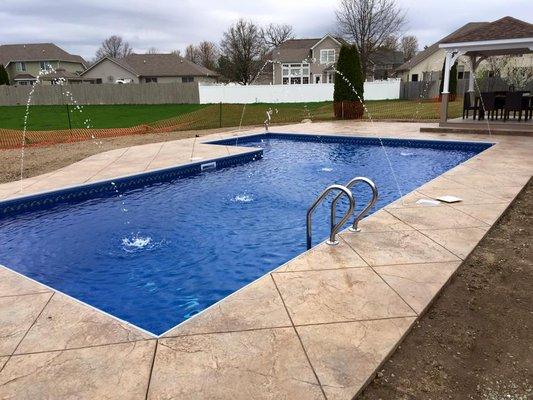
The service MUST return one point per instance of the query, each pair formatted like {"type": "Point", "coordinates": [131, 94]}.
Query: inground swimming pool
{"type": "Point", "coordinates": [158, 248]}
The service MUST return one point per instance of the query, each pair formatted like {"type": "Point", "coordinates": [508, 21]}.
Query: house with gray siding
{"type": "Point", "coordinates": [305, 61]}
{"type": "Point", "coordinates": [148, 68]}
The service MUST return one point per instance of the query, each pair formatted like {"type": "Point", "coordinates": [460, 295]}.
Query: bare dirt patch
{"type": "Point", "coordinates": [476, 341]}
{"type": "Point", "coordinates": [40, 160]}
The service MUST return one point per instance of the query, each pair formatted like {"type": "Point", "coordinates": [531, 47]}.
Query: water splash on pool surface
{"type": "Point", "coordinates": [406, 153]}
{"type": "Point", "coordinates": [326, 169]}
{"type": "Point", "coordinates": [137, 242]}
{"type": "Point", "coordinates": [243, 198]}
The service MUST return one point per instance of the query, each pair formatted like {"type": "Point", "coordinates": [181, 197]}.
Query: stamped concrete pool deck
{"type": "Point", "coordinates": [317, 327]}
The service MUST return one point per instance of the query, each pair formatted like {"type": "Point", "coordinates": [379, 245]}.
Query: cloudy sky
{"type": "Point", "coordinates": [79, 26]}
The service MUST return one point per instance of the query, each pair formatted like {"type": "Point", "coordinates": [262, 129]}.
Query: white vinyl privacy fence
{"type": "Point", "coordinates": [238, 94]}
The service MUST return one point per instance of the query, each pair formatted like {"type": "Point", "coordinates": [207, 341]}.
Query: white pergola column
{"type": "Point", "coordinates": [451, 57]}
{"type": "Point", "coordinates": [447, 66]}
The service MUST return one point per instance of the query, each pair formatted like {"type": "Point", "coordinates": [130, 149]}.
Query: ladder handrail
{"type": "Point", "coordinates": [363, 212]}
{"type": "Point", "coordinates": [334, 227]}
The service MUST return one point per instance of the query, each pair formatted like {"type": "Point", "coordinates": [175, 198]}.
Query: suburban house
{"type": "Point", "coordinates": [427, 64]}
{"type": "Point", "coordinates": [24, 62]}
{"type": "Point", "coordinates": [304, 61]}
{"type": "Point", "coordinates": [148, 68]}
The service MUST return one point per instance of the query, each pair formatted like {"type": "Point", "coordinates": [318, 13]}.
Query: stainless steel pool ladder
{"type": "Point", "coordinates": [334, 227]}
{"type": "Point", "coordinates": [364, 211]}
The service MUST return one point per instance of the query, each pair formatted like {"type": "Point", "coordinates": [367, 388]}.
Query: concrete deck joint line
{"type": "Point", "coordinates": [298, 335]}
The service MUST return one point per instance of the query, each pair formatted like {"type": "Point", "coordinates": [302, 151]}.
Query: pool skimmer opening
{"type": "Point", "coordinates": [208, 166]}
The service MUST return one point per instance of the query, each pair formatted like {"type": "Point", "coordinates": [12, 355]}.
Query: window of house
{"type": "Point", "coordinates": [295, 74]}
{"type": "Point", "coordinates": [331, 77]}
{"type": "Point", "coordinates": [327, 56]}
{"type": "Point", "coordinates": [20, 66]}
{"type": "Point", "coordinates": [187, 79]}
{"type": "Point", "coordinates": [414, 78]}
{"type": "Point", "coordinates": [150, 80]}
{"type": "Point", "coordinates": [45, 65]}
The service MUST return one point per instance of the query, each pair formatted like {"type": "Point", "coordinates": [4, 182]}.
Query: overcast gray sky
{"type": "Point", "coordinates": [80, 26]}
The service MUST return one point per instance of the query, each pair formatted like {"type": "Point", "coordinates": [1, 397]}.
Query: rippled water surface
{"type": "Point", "coordinates": [185, 244]}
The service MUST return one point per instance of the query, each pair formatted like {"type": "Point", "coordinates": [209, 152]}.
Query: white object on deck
{"type": "Point", "coordinates": [427, 202]}
{"type": "Point", "coordinates": [449, 199]}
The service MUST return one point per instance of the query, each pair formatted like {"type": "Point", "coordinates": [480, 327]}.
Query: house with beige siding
{"type": "Point", "coordinates": [24, 62]}
{"type": "Point", "coordinates": [427, 64]}
{"type": "Point", "coordinates": [148, 68]}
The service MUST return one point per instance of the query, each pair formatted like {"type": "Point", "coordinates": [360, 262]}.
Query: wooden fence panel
{"type": "Point", "coordinates": [150, 93]}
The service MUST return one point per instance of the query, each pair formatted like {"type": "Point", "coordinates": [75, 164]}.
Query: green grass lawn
{"type": "Point", "coordinates": [410, 110]}
{"type": "Point", "coordinates": [101, 116]}
{"type": "Point", "coordinates": [195, 116]}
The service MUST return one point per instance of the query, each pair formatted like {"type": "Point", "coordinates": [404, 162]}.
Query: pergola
{"type": "Point", "coordinates": [506, 36]}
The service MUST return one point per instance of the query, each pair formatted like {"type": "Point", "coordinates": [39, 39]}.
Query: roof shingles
{"type": "Point", "coordinates": [502, 29]}
{"type": "Point", "coordinates": [36, 52]}
{"type": "Point", "coordinates": [153, 65]}
{"type": "Point", "coordinates": [297, 50]}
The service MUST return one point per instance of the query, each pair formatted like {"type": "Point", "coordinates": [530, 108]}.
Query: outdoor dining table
{"type": "Point", "coordinates": [500, 96]}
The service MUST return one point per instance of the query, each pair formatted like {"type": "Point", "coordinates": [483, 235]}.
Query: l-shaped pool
{"type": "Point", "coordinates": [157, 248]}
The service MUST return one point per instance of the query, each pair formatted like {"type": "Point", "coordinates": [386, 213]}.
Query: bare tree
{"type": "Point", "coordinates": [368, 23]}
{"type": "Point", "coordinates": [275, 34]}
{"type": "Point", "coordinates": [191, 54]}
{"type": "Point", "coordinates": [115, 47]}
{"type": "Point", "coordinates": [152, 50]}
{"type": "Point", "coordinates": [391, 43]}
{"type": "Point", "coordinates": [243, 52]}
{"type": "Point", "coordinates": [176, 52]}
{"type": "Point", "coordinates": [409, 47]}
{"type": "Point", "coordinates": [208, 54]}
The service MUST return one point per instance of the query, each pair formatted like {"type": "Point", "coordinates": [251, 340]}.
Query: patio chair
{"type": "Point", "coordinates": [488, 105]}
{"type": "Point", "coordinates": [527, 102]}
{"type": "Point", "coordinates": [514, 103]}
{"type": "Point", "coordinates": [468, 105]}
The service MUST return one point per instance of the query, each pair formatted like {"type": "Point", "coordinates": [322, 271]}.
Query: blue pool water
{"type": "Point", "coordinates": [158, 254]}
